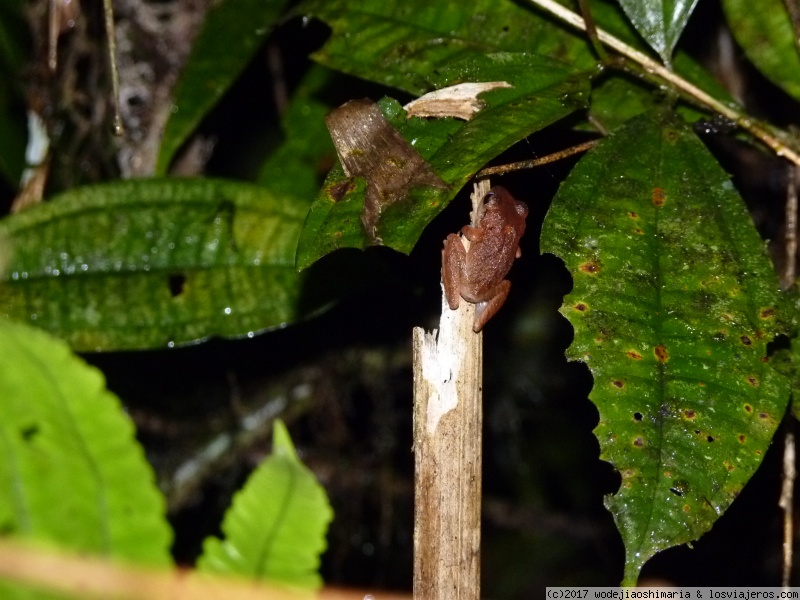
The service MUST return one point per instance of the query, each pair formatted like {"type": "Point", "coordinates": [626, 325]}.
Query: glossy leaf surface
{"type": "Point", "coordinates": [404, 44]}
{"type": "Point", "coordinates": [660, 22]}
{"type": "Point", "coordinates": [674, 302]}
{"type": "Point", "coordinates": [230, 37]}
{"type": "Point", "coordinates": [543, 91]}
{"type": "Point", "coordinates": [275, 529]}
{"type": "Point", "coordinates": [297, 166]}
{"type": "Point", "coordinates": [768, 39]}
{"type": "Point", "coordinates": [71, 472]}
{"type": "Point", "coordinates": [151, 263]}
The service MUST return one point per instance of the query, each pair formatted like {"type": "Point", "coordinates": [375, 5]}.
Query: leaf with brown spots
{"type": "Point", "coordinates": [687, 306]}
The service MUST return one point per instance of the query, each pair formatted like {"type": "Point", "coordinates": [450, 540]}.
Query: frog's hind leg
{"type": "Point", "coordinates": [486, 310]}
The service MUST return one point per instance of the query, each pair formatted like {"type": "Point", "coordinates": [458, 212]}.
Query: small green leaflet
{"type": "Point", "coordinates": [275, 529]}
{"type": "Point", "coordinates": [673, 305]}
{"type": "Point", "coordinates": [660, 22]}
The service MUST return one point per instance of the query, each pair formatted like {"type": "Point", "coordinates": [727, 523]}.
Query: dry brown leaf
{"type": "Point", "coordinates": [460, 101]}
{"type": "Point", "coordinates": [369, 147]}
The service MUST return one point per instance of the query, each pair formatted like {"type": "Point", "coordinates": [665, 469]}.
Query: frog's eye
{"type": "Point", "coordinates": [488, 197]}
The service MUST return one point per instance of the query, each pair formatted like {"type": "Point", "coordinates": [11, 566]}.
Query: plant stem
{"type": "Point", "coordinates": [108, 14]}
{"type": "Point", "coordinates": [655, 68]}
{"type": "Point", "coordinates": [536, 162]}
{"type": "Point", "coordinates": [448, 422]}
{"type": "Point", "coordinates": [786, 502]}
{"type": "Point", "coordinates": [790, 228]}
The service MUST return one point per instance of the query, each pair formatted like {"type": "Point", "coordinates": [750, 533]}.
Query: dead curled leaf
{"type": "Point", "coordinates": [369, 147]}
{"type": "Point", "coordinates": [460, 101]}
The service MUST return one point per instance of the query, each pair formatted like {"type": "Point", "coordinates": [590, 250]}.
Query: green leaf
{"type": "Point", "coordinates": [660, 22]}
{"type": "Point", "coordinates": [674, 302]}
{"type": "Point", "coordinates": [275, 530]}
{"type": "Point", "coordinates": [294, 168]}
{"type": "Point", "coordinates": [768, 39]}
{"type": "Point", "coordinates": [71, 472]}
{"type": "Point", "coordinates": [149, 263]}
{"type": "Point", "coordinates": [404, 43]}
{"type": "Point", "coordinates": [543, 91]}
{"type": "Point", "coordinates": [231, 35]}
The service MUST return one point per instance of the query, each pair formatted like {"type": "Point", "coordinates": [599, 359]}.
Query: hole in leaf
{"type": "Point", "coordinates": [679, 488]}
{"type": "Point", "coordinates": [637, 416]}
{"type": "Point", "coordinates": [710, 438]}
{"type": "Point", "coordinates": [746, 340]}
{"type": "Point", "coordinates": [176, 283]}
{"type": "Point", "coordinates": [29, 432]}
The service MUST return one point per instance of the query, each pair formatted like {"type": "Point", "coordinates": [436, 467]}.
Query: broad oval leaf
{"type": "Point", "coordinates": [152, 263]}
{"type": "Point", "coordinates": [660, 22]}
{"type": "Point", "coordinates": [275, 529]}
{"type": "Point", "coordinates": [231, 35]}
{"type": "Point", "coordinates": [674, 302]}
{"type": "Point", "coordinates": [404, 43]}
{"type": "Point", "coordinates": [543, 91]}
{"type": "Point", "coordinates": [768, 39]}
{"type": "Point", "coordinates": [71, 471]}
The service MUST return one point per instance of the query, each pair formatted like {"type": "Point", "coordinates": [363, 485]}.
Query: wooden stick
{"type": "Point", "coordinates": [90, 577]}
{"type": "Point", "coordinates": [448, 422]}
{"type": "Point", "coordinates": [786, 502]}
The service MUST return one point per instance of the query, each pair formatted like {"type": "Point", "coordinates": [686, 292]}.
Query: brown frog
{"type": "Point", "coordinates": [478, 274]}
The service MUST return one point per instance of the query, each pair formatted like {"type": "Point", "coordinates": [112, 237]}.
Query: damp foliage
{"type": "Point", "coordinates": [450, 150]}
{"type": "Point", "coordinates": [681, 312]}
{"type": "Point", "coordinates": [154, 263]}
{"type": "Point", "coordinates": [369, 147]}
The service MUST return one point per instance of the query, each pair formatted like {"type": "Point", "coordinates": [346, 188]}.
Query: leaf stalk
{"type": "Point", "coordinates": [754, 128]}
